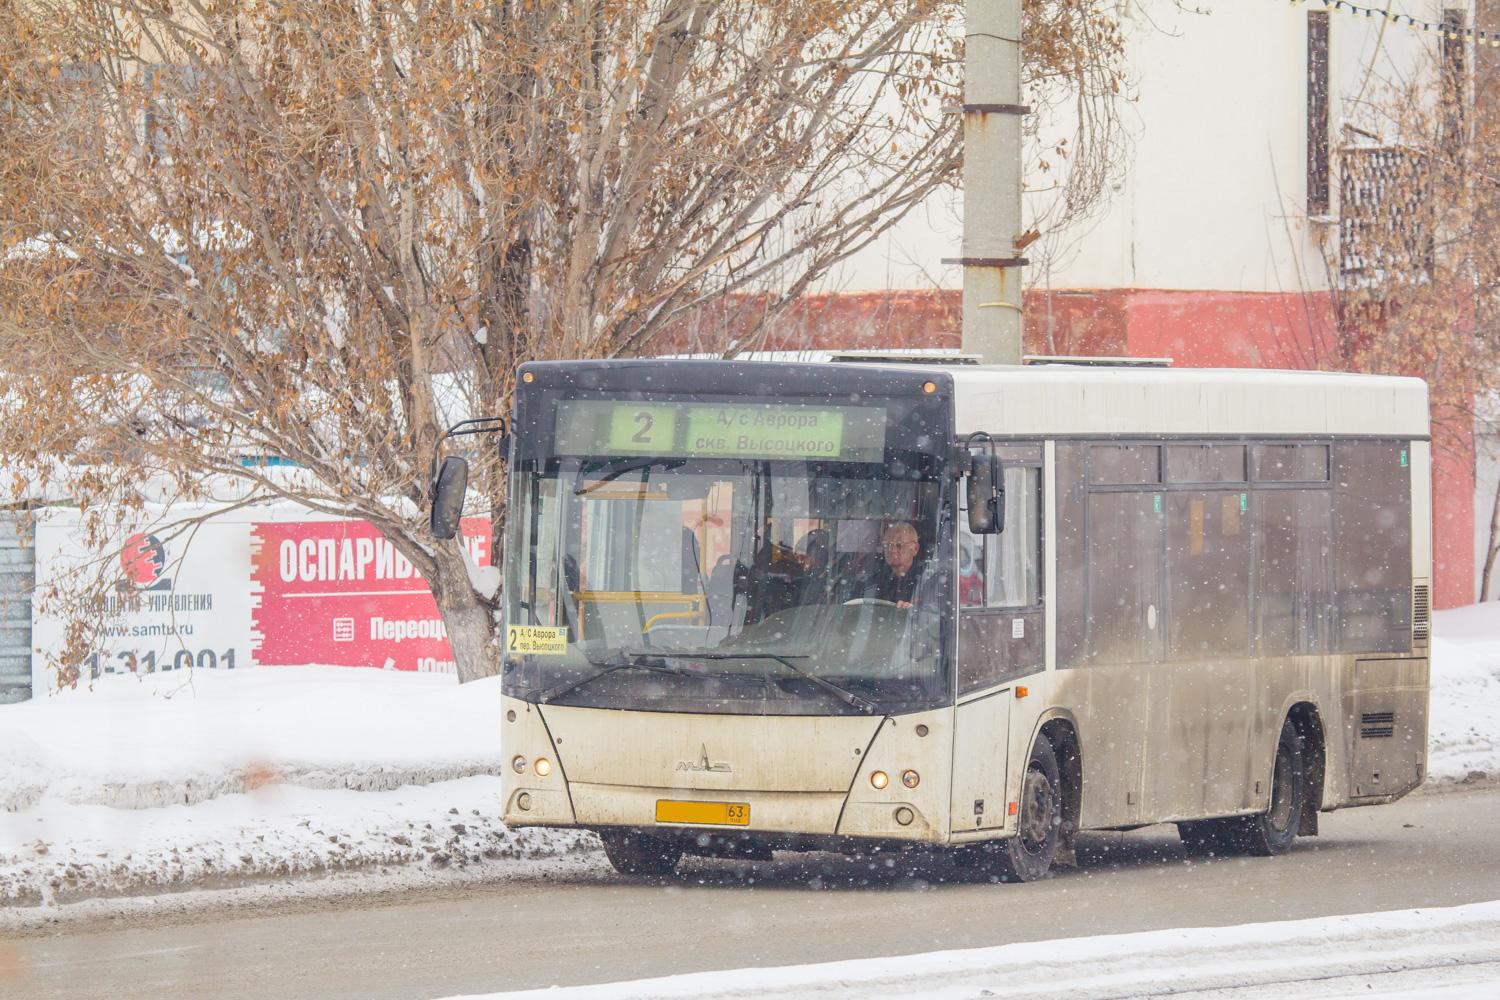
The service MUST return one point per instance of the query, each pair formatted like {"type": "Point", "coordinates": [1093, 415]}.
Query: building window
{"type": "Point", "coordinates": [1317, 112]}
{"type": "Point", "coordinates": [1453, 91]}
{"type": "Point", "coordinates": [1385, 216]}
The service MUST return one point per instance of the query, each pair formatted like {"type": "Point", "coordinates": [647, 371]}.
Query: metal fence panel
{"type": "Point", "coordinates": [17, 576]}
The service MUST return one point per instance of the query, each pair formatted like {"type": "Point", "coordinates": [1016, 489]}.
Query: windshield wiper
{"type": "Point", "coordinates": [626, 661]}
{"type": "Point", "coordinates": [843, 694]}
{"type": "Point", "coordinates": [633, 466]}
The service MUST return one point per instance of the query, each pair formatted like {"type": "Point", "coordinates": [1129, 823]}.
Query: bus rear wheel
{"type": "Point", "coordinates": [1272, 831]}
{"type": "Point", "coordinates": [1028, 855]}
{"type": "Point", "coordinates": [634, 853]}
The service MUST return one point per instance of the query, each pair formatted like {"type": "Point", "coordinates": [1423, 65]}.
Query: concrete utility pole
{"type": "Point", "coordinates": [992, 181]}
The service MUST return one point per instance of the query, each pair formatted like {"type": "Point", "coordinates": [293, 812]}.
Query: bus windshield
{"type": "Point", "coordinates": [729, 585]}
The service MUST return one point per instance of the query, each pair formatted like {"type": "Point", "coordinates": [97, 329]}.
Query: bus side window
{"type": "Point", "coordinates": [1372, 546]}
{"type": "Point", "coordinates": [1012, 570]}
{"type": "Point", "coordinates": [970, 561]}
{"type": "Point", "coordinates": [1004, 570]}
{"type": "Point", "coordinates": [999, 588]}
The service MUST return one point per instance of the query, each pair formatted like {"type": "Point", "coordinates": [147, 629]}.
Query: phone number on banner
{"type": "Point", "coordinates": [129, 661]}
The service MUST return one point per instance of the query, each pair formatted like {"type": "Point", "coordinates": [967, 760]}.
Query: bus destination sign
{"type": "Point", "coordinates": [722, 430]}
{"type": "Point", "coordinates": [781, 431]}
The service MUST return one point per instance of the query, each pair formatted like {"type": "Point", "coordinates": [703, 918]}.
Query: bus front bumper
{"type": "Point", "coordinates": [754, 813]}
{"type": "Point", "coordinates": [864, 778]}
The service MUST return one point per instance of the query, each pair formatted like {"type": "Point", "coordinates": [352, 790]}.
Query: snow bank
{"type": "Point", "coordinates": [1464, 724]}
{"type": "Point", "coordinates": [1451, 953]}
{"type": "Point", "coordinates": [154, 782]}
{"type": "Point", "coordinates": [59, 851]}
{"type": "Point", "coordinates": [136, 742]}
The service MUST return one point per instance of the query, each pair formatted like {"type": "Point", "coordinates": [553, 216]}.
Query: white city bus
{"type": "Point", "coordinates": [775, 606]}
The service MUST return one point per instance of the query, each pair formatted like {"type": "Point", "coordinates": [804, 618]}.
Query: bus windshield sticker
{"type": "Point", "coordinates": [721, 430]}
{"type": "Point", "coordinates": [536, 640]}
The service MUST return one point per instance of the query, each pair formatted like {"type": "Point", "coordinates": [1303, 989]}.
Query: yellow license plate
{"type": "Point", "coordinates": [703, 813]}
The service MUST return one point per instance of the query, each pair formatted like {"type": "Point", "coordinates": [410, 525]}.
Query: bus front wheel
{"type": "Point", "coordinates": [1028, 855]}
{"type": "Point", "coordinates": [634, 853]}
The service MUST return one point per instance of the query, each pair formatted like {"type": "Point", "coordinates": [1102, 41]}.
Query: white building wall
{"type": "Point", "coordinates": [1214, 195]}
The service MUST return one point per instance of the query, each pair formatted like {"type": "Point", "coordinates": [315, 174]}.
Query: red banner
{"type": "Point", "coordinates": [338, 592]}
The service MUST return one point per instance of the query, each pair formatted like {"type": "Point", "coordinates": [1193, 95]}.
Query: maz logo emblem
{"type": "Point", "coordinates": [704, 764]}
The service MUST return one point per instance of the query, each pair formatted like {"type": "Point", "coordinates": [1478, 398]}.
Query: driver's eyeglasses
{"type": "Point", "coordinates": [897, 546]}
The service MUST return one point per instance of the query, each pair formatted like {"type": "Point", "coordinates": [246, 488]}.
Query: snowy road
{"type": "Point", "coordinates": [583, 924]}
{"type": "Point", "coordinates": [1451, 953]}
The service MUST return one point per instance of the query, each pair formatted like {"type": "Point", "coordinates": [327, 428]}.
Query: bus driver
{"type": "Point", "coordinates": [895, 577]}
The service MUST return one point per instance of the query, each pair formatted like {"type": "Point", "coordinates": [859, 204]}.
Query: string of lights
{"type": "Point", "coordinates": [1491, 38]}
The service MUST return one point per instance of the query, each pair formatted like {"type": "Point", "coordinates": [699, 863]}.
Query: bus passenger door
{"type": "Point", "coordinates": [1001, 638]}
{"type": "Point", "coordinates": [1125, 628]}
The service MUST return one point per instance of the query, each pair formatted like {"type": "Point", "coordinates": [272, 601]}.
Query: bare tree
{"type": "Point", "coordinates": [321, 231]}
{"type": "Point", "coordinates": [1416, 268]}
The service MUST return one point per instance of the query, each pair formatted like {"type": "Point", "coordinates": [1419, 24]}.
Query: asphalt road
{"type": "Point", "coordinates": [591, 925]}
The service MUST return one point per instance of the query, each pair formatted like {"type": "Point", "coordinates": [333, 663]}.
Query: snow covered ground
{"type": "Point", "coordinates": [188, 779]}
{"type": "Point", "coordinates": [1450, 953]}
{"type": "Point", "coordinates": [180, 738]}
{"type": "Point", "coordinates": [1464, 725]}
{"type": "Point", "coordinates": [168, 780]}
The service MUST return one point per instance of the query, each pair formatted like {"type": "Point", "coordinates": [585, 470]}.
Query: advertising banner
{"type": "Point", "coordinates": [338, 592]}
{"type": "Point", "coordinates": [269, 586]}
{"type": "Point", "coordinates": [160, 609]}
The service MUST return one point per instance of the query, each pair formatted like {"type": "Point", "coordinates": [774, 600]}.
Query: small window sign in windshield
{"type": "Point", "coordinates": [721, 430]}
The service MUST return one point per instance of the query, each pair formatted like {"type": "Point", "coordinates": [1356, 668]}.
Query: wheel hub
{"type": "Point", "coordinates": [1282, 793]}
{"type": "Point", "coordinates": [1038, 803]}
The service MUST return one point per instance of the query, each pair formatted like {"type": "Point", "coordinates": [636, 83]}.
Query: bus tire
{"type": "Point", "coordinates": [634, 853]}
{"type": "Point", "coordinates": [1028, 855]}
{"type": "Point", "coordinates": [1270, 832]}
{"type": "Point", "coordinates": [1273, 831]}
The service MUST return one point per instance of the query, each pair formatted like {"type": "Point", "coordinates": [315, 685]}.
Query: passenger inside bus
{"type": "Point", "coordinates": [813, 554]}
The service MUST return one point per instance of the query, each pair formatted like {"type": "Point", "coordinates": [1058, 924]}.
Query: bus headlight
{"type": "Point", "coordinates": [910, 778]}
{"type": "Point", "coordinates": [543, 767]}
{"type": "Point", "coordinates": [879, 779]}
{"type": "Point", "coordinates": [518, 764]}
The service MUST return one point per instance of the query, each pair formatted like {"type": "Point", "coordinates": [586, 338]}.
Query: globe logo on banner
{"type": "Point", "coordinates": [142, 562]}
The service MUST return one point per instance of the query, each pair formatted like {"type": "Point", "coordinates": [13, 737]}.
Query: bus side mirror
{"type": "Point", "coordinates": [986, 495]}
{"type": "Point", "coordinates": [448, 489]}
